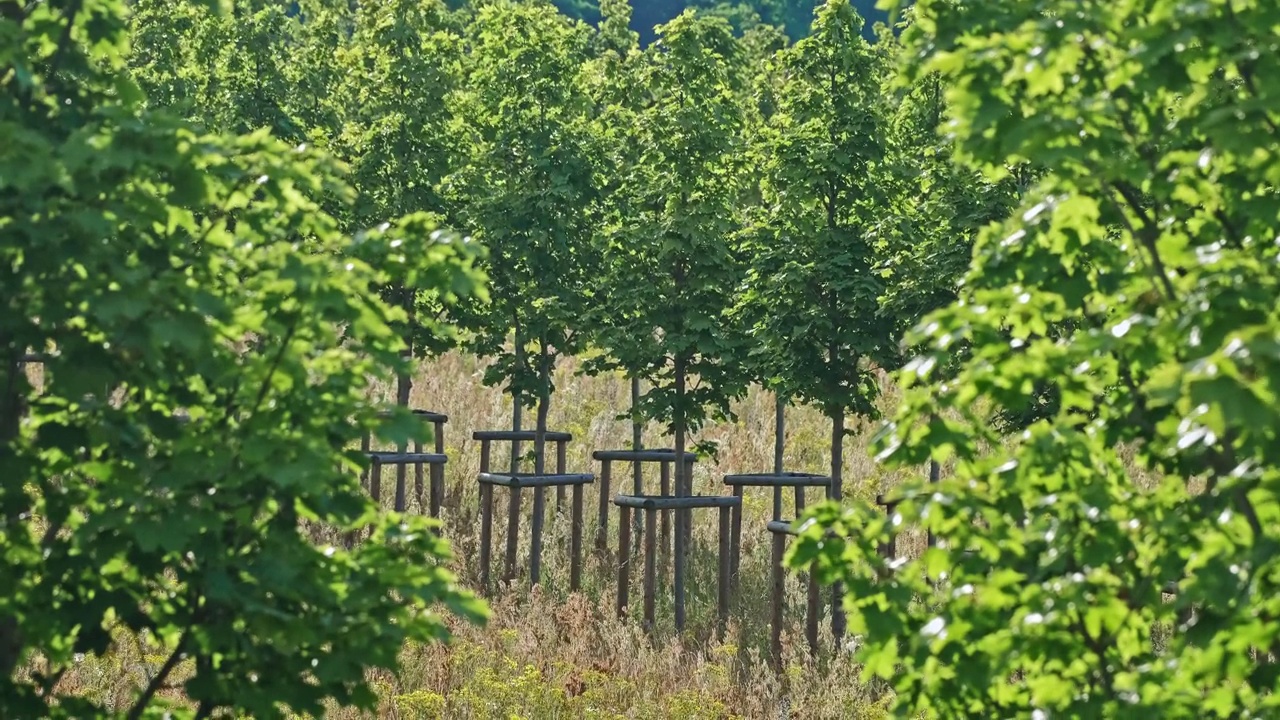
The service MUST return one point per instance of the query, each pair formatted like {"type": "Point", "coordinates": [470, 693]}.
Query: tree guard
{"type": "Point", "coordinates": [651, 504]}
{"type": "Point", "coordinates": [515, 481]}
{"type": "Point", "coordinates": [663, 457]}
{"type": "Point", "coordinates": [371, 479]}
{"type": "Point", "coordinates": [779, 529]}
{"type": "Point", "coordinates": [890, 503]}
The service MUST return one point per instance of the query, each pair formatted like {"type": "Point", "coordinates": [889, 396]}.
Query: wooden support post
{"type": "Point", "coordinates": [624, 557]}
{"type": "Point", "coordinates": [513, 535]}
{"type": "Point", "coordinates": [365, 446]}
{"type": "Point", "coordinates": [813, 604]}
{"type": "Point", "coordinates": [603, 526]}
{"type": "Point", "coordinates": [486, 533]}
{"type": "Point", "coordinates": [561, 464]}
{"type": "Point", "coordinates": [419, 470]}
{"type": "Point", "coordinates": [688, 514]}
{"type": "Point", "coordinates": [813, 608]}
{"type": "Point", "coordinates": [678, 565]}
{"type": "Point", "coordinates": [650, 566]}
{"type": "Point", "coordinates": [437, 474]}
{"type": "Point", "coordinates": [485, 458]}
{"type": "Point", "coordinates": [575, 541]}
{"type": "Point", "coordinates": [664, 486]}
{"type": "Point", "coordinates": [723, 594]}
{"type": "Point", "coordinates": [375, 482]}
{"type": "Point", "coordinates": [735, 542]}
{"type": "Point", "coordinates": [535, 533]}
{"type": "Point", "coordinates": [775, 602]}
{"type": "Point", "coordinates": [402, 480]}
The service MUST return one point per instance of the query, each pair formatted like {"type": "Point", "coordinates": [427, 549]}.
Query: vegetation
{"type": "Point", "coordinates": [208, 352]}
{"type": "Point", "coordinates": [229, 226]}
{"type": "Point", "coordinates": [1138, 278]}
{"type": "Point", "coordinates": [792, 16]}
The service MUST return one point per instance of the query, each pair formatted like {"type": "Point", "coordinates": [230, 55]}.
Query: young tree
{"type": "Point", "coordinates": [1152, 233]}
{"type": "Point", "coordinates": [673, 260]}
{"type": "Point", "coordinates": [815, 285]}
{"type": "Point", "coordinates": [396, 72]}
{"type": "Point", "coordinates": [528, 190]}
{"type": "Point", "coordinates": [228, 72]}
{"type": "Point", "coordinates": [191, 433]}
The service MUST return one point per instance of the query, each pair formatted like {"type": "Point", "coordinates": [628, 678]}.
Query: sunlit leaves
{"type": "Point", "coordinates": [178, 477]}
{"type": "Point", "coordinates": [813, 294]}
{"type": "Point", "coordinates": [527, 184]}
{"type": "Point", "coordinates": [1131, 284]}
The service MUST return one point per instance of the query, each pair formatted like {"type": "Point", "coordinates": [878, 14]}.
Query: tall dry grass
{"type": "Point", "coordinates": [549, 653]}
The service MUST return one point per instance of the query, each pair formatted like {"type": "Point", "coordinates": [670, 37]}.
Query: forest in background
{"type": "Point", "coordinates": [792, 16]}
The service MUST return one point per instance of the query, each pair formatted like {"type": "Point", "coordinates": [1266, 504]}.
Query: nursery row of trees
{"type": "Point", "coordinates": [208, 303]}
{"type": "Point", "coordinates": [706, 212]}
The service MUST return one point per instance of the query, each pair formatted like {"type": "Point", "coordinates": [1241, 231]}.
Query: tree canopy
{"type": "Point", "coordinates": [1148, 234]}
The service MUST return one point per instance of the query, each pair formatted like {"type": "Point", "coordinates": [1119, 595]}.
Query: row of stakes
{"type": "Point", "coordinates": [642, 518]}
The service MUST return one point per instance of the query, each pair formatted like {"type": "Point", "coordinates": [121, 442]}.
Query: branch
{"type": "Point", "coordinates": [1147, 237]}
{"type": "Point", "coordinates": [154, 686]}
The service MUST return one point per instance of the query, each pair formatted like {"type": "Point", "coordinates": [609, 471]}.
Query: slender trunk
{"type": "Point", "coordinates": [779, 428]}
{"type": "Point", "coordinates": [681, 468]}
{"type": "Point", "coordinates": [636, 425]}
{"type": "Point", "coordinates": [544, 407]}
{"type": "Point", "coordinates": [517, 409]}
{"type": "Point", "coordinates": [404, 384]}
{"type": "Point", "coordinates": [837, 492]}
{"type": "Point", "coordinates": [636, 444]}
{"type": "Point", "coordinates": [11, 412]}
{"type": "Point", "coordinates": [404, 381]}
{"type": "Point", "coordinates": [837, 454]}
{"type": "Point", "coordinates": [540, 460]}
{"type": "Point", "coordinates": [513, 506]}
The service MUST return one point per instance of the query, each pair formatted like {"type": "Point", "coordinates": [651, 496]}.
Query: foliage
{"type": "Point", "coordinates": [225, 70]}
{"type": "Point", "coordinates": [673, 263]}
{"type": "Point", "coordinates": [211, 359]}
{"type": "Point", "coordinates": [395, 75]}
{"type": "Point", "coordinates": [1150, 238]}
{"type": "Point", "coordinates": [814, 287]}
{"type": "Point", "coordinates": [792, 16]}
{"type": "Point", "coordinates": [527, 186]}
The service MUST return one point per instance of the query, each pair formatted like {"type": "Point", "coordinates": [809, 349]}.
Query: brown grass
{"type": "Point", "coordinates": [548, 653]}
{"type": "Point", "coordinates": [584, 661]}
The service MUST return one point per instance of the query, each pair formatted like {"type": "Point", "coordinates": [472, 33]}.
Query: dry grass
{"type": "Point", "coordinates": [548, 653]}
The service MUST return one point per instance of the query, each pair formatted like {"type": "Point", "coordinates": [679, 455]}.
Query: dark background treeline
{"type": "Point", "coordinates": [792, 15]}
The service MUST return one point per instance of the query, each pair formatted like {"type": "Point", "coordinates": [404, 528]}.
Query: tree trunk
{"type": "Point", "coordinates": [404, 384]}
{"type": "Point", "coordinates": [637, 443]}
{"type": "Point", "coordinates": [513, 506]}
{"type": "Point", "coordinates": [540, 460]}
{"type": "Point", "coordinates": [517, 409]}
{"type": "Point", "coordinates": [779, 428]}
{"type": "Point", "coordinates": [11, 412]}
{"type": "Point", "coordinates": [837, 492]}
{"type": "Point", "coordinates": [680, 470]}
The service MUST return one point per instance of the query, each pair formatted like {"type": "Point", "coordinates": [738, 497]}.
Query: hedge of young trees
{"type": "Point", "coordinates": [225, 219]}
{"type": "Point", "coordinates": [696, 212]}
